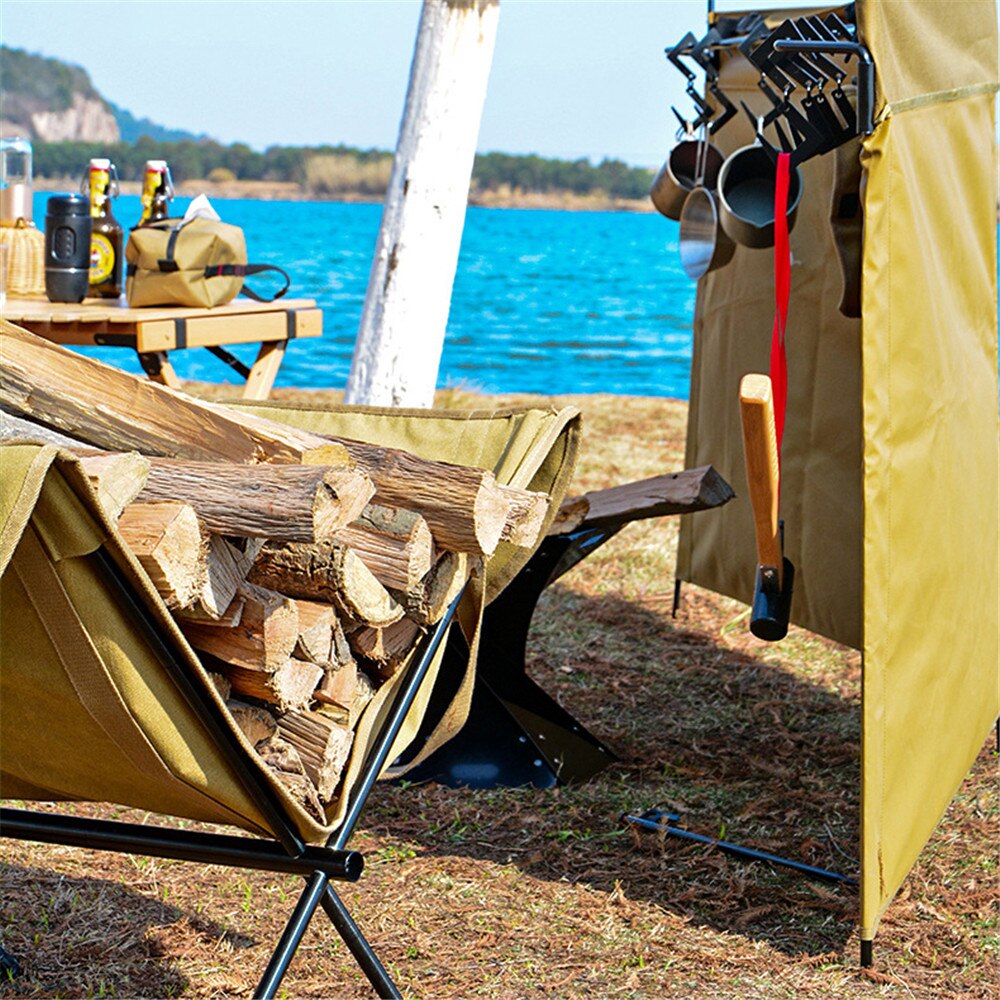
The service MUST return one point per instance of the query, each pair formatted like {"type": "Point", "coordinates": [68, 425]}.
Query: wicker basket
{"type": "Point", "coordinates": [25, 258]}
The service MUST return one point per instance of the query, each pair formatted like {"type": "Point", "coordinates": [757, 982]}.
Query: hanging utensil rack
{"type": "Point", "coordinates": [803, 68]}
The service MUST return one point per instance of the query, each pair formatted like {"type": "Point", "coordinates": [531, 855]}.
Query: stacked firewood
{"type": "Point", "coordinates": [303, 569]}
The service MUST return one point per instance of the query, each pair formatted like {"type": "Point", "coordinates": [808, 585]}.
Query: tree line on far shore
{"type": "Point", "coordinates": [337, 170]}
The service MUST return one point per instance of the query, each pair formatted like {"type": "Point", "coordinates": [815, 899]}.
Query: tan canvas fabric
{"type": "Point", "coordinates": [191, 246]}
{"type": "Point", "coordinates": [931, 649]}
{"type": "Point", "coordinates": [821, 471]}
{"type": "Point", "coordinates": [79, 683]}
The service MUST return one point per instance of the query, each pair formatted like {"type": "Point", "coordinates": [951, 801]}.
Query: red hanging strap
{"type": "Point", "coordinates": [782, 290]}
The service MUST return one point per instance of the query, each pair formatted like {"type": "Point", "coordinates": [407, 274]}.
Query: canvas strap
{"type": "Point", "coordinates": [244, 270]}
{"type": "Point", "coordinates": [782, 291]}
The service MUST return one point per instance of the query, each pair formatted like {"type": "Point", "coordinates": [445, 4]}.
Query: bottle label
{"type": "Point", "coordinates": [99, 181]}
{"type": "Point", "coordinates": [150, 185]}
{"type": "Point", "coordinates": [102, 259]}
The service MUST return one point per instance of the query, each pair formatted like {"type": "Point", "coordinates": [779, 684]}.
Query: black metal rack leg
{"type": "Point", "coordinates": [358, 945]}
{"type": "Point", "coordinates": [291, 936]}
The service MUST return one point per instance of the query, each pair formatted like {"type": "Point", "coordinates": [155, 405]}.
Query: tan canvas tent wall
{"type": "Point", "coordinates": [890, 476]}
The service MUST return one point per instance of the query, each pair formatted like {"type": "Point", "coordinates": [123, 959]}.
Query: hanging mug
{"type": "Point", "coordinates": [704, 245]}
{"type": "Point", "coordinates": [746, 196]}
{"type": "Point", "coordinates": [678, 176]}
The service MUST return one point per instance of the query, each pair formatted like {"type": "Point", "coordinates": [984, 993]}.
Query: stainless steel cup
{"type": "Point", "coordinates": [746, 196]}
{"type": "Point", "coordinates": [679, 175]}
{"type": "Point", "coordinates": [704, 246]}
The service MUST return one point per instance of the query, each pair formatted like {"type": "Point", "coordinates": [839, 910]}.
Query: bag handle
{"type": "Point", "coordinates": [245, 270]}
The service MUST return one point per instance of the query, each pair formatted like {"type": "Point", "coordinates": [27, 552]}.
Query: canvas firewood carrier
{"type": "Point", "coordinates": [103, 700]}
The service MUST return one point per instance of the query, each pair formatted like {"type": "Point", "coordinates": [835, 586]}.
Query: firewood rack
{"type": "Point", "coordinates": [286, 853]}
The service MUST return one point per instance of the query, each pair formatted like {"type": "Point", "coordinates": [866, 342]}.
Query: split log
{"type": "Point", "coordinates": [526, 517]}
{"type": "Point", "coordinates": [386, 648]}
{"type": "Point", "coordinates": [465, 508]}
{"type": "Point", "coordinates": [223, 577]}
{"type": "Point", "coordinates": [344, 691]}
{"type": "Point", "coordinates": [396, 545]}
{"type": "Point", "coordinates": [316, 621]}
{"type": "Point", "coordinates": [289, 686]}
{"type": "Point", "coordinates": [118, 478]}
{"type": "Point", "coordinates": [323, 746]}
{"type": "Point", "coordinates": [256, 723]}
{"type": "Point", "coordinates": [570, 515]}
{"type": "Point", "coordinates": [295, 503]}
{"type": "Point", "coordinates": [263, 640]}
{"type": "Point", "coordinates": [286, 765]}
{"type": "Point", "coordinates": [674, 493]}
{"type": "Point", "coordinates": [169, 544]}
{"type": "Point", "coordinates": [120, 412]}
{"type": "Point", "coordinates": [340, 651]}
{"type": "Point", "coordinates": [429, 600]}
{"type": "Point", "coordinates": [230, 618]}
{"type": "Point", "coordinates": [231, 563]}
{"type": "Point", "coordinates": [327, 572]}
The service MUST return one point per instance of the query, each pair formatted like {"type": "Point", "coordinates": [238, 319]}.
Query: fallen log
{"type": "Point", "coordinates": [296, 503]}
{"type": "Point", "coordinates": [170, 545]}
{"type": "Point", "coordinates": [326, 572]}
{"type": "Point", "coordinates": [112, 409]}
{"type": "Point", "coordinates": [396, 545]}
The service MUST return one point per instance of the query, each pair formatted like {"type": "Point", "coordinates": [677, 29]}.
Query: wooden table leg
{"type": "Point", "coordinates": [265, 370]}
{"type": "Point", "coordinates": [156, 364]}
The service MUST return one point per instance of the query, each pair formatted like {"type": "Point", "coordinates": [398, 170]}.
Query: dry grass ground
{"type": "Point", "coordinates": [522, 893]}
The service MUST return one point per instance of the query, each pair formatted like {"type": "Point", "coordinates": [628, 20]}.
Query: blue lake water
{"type": "Point", "coordinates": [544, 301]}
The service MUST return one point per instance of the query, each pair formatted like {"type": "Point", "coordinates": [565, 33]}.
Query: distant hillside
{"type": "Point", "coordinates": [58, 107]}
{"type": "Point", "coordinates": [49, 100]}
{"type": "Point", "coordinates": [132, 129]}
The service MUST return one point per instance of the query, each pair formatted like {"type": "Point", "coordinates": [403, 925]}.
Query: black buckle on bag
{"type": "Point", "coordinates": [167, 266]}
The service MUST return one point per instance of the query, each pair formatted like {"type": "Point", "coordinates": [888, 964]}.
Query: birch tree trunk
{"type": "Point", "coordinates": [398, 348]}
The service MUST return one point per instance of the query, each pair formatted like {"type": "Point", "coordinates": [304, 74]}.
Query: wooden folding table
{"type": "Point", "coordinates": [153, 332]}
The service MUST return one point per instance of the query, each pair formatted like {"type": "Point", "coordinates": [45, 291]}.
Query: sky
{"type": "Point", "coordinates": [570, 78]}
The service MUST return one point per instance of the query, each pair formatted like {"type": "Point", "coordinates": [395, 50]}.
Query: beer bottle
{"type": "Point", "coordinates": [157, 191]}
{"type": "Point", "coordinates": [107, 240]}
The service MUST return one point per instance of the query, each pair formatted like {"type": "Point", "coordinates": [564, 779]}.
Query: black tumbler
{"type": "Point", "coordinates": [67, 248]}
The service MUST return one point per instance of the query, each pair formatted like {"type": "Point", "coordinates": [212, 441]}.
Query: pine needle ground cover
{"type": "Point", "coordinates": [514, 893]}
